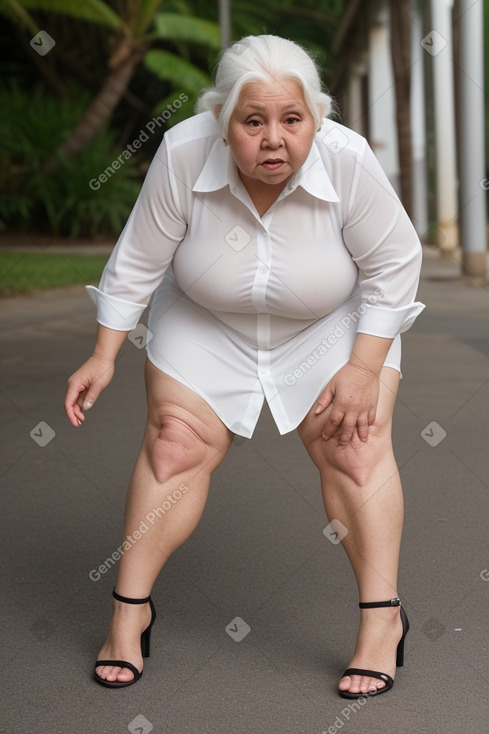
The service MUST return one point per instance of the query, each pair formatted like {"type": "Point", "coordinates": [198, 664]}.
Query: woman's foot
{"type": "Point", "coordinates": [124, 641]}
{"type": "Point", "coordinates": [378, 636]}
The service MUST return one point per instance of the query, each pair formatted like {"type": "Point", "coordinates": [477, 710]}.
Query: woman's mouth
{"type": "Point", "coordinates": [273, 163]}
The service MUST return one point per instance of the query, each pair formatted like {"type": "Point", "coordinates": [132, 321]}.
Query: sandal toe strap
{"type": "Point", "coordinates": [120, 664]}
{"type": "Point", "coordinates": [389, 682]}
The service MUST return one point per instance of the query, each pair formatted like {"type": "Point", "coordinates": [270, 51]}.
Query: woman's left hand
{"type": "Point", "coordinates": [352, 396]}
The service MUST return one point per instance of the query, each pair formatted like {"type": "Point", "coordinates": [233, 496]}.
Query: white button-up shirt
{"type": "Point", "coordinates": [335, 252]}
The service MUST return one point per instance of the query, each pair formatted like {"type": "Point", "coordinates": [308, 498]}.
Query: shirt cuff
{"type": "Point", "coordinates": [115, 313]}
{"type": "Point", "coordinates": [388, 322]}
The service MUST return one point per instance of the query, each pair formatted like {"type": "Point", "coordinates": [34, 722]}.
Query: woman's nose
{"type": "Point", "coordinates": [273, 136]}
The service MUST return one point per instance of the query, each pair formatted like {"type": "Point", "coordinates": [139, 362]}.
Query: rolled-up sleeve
{"type": "Point", "coordinates": [144, 250]}
{"type": "Point", "coordinates": [384, 245]}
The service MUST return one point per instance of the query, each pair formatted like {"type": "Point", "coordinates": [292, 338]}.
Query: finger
{"type": "Point", "coordinates": [78, 413]}
{"type": "Point", "coordinates": [347, 432]}
{"type": "Point", "coordinates": [325, 399]}
{"type": "Point", "coordinates": [76, 402]}
{"type": "Point", "coordinates": [75, 415]}
{"type": "Point", "coordinates": [362, 427]}
{"type": "Point", "coordinates": [332, 424]}
{"type": "Point", "coordinates": [86, 398]}
{"type": "Point", "coordinates": [71, 407]}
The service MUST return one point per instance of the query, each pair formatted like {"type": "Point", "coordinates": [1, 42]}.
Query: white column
{"type": "Point", "coordinates": [382, 102]}
{"type": "Point", "coordinates": [418, 124]}
{"type": "Point", "coordinates": [225, 22]}
{"type": "Point", "coordinates": [354, 109]}
{"type": "Point", "coordinates": [438, 42]}
{"type": "Point", "coordinates": [472, 139]}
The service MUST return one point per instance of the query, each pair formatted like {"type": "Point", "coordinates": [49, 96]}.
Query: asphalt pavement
{"type": "Point", "coordinates": [257, 612]}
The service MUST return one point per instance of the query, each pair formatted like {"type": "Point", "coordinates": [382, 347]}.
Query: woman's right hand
{"type": "Point", "coordinates": [85, 385]}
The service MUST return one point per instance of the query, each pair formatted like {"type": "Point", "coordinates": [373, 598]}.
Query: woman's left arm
{"type": "Point", "coordinates": [354, 390]}
{"type": "Point", "coordinates": [385, 247]}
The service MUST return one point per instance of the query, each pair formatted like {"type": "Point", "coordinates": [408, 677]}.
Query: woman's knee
{"type": "Point", "coordinates": [183, 432]}
{"type": "Point", "coordinates": [357, 461]}
{"type": "Point", "coordinates": [175, 448]}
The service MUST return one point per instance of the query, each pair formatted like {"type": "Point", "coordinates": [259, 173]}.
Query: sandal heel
{"type": "Point", "coordinates": [400, 647]}
{"type": "Point", "coordinates": [146, 636]}
{"type": "Point", "coordinates": [400, 655]}
{"type": "Point", "coordinates": [145, 643]}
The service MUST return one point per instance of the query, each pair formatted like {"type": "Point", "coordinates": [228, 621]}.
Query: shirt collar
{"type": "Point", "coordinates": [313, 177]}
{"type": "Point", "coordinates": [219, 171]}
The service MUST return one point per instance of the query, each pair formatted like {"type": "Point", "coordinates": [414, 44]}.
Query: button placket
{"type": "Point", "coordinates": [262, 274]}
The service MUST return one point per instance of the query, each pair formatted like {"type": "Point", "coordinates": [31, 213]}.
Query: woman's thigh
{"type": "Point", "coordinates": [181, 421]}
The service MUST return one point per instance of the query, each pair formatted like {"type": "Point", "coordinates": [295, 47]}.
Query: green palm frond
{"type": "Point", "coordinates": [179, 72]}
{"type": "Point", "coordinates": [173, 26]}
{"type": "Point", "coordinates": [95, 11]}
{"type": "Point", "coordinates": [146, 14]}
{"type": "Point", "coordinates": [17, 14]}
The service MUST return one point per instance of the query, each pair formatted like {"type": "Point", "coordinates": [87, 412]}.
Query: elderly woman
{"type": "Point", "coordinates": [284, 267]}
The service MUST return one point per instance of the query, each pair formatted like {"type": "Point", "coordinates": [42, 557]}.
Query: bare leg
{"type": "Point", "coordinates": [184, 442]}
{"type": "Point", "coordinates": [361, 488]}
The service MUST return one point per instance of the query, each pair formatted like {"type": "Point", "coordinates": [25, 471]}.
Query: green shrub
{"type": "Point", "coordinates": [31, 128]}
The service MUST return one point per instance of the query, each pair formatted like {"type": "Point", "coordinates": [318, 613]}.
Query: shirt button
{"type": "Point", "coordinates": [263, 269]}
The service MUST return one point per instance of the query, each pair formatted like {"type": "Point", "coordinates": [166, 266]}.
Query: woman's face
{"type": "Point", "coordinates": [270, 132]}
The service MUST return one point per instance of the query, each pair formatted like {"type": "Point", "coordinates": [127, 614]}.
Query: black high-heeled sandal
{"type": "Point", "coordinates": [389, 682]}
{"type": "Point", "coordinates": [145, 640]}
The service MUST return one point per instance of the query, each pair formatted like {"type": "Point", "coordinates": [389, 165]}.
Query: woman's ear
{"type": "Point", "coordinates": [322, 113]}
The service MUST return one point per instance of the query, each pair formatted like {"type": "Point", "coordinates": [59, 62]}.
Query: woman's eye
{"type": "Point", "coordinates": [292, 120]}
{"type": "Point", "coordinates": [254, 123]}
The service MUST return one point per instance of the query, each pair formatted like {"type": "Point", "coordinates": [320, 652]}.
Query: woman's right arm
{"type": "Point", "coordinates": [86, 384]}
{"type": "Point", "coordinates": [155, 228]}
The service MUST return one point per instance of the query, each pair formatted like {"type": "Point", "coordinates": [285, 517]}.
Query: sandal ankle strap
{"type": "Point", "coordinates": [374, 604]}
{"type": "Point", "coordinates": [127, 600]}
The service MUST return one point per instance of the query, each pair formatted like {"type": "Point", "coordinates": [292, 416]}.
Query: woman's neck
{"type": "Point", "coordinates": [262, 195]}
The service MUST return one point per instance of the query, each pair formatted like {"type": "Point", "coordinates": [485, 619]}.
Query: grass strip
{"type": "Point", "coordinates": [24, 272]}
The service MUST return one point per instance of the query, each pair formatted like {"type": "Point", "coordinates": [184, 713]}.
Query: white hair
{"type": "Point", "coordinates": [262, 58]}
